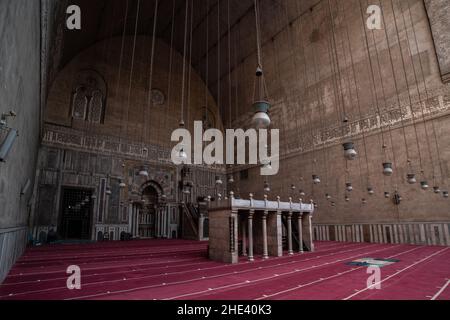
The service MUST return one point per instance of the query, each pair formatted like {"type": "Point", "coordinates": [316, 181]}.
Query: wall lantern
{"type": "Point", "coordinates": [424, 185]}
{"type": "Point", "coordinates": [8, 144]}
{"type": "Point", "coordinates": [349, 151]}
{"type": "Point", "coordinates": [349, 187]}
{"type": "Point", "coordinates": [266, 186]}
{"type": "Point", "coordinates": [316, 179]}
{"type": "Point", "coordinates": [387, 169]}
{"type": "Point", "coordinates": [143, 172]}
{"type": "Point", "coordinates": [411, 178]}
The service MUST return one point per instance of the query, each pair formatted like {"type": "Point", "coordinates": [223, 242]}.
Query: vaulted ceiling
{"type": "Point", "coordinates": [211, 23]}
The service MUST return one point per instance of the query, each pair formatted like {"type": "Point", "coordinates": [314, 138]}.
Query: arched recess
{"type": "Point", "coordinates": [154, 185]}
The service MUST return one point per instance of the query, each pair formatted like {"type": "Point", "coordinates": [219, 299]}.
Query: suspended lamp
{"type": "Point", "coordinates": [108, 192]}
{"type": "Point", "coordinates": [143, 172]}
{"type": "Point", "coordinates": [364, 201]}
{"type": "Point", "coordinates": [261, 119]}
{"type": "Point", "coordinates": [349, 151]}
{"type": "Point", "coordinates": [231, 179]}
{"type": "Point", "coordinates": [397, 198]}
{"type": "Point", "coordinates": [436, 190]}
{"type": "Point", "coordinates": [261, 106]}
{"type": "Point", "coordinates": [328, 196]}
{"type": "Point", "coordinates": [266, 186]}
{"type": "Point", "coordinates": [182, 155]}
{"type": "Point", "coordinates": [293, 187]}
{"type": "Point", "coordinates": [387, 168]}
{"type": "Point", "coordinates": [445, 194]}
{"type": "Point", "coordinates": [218, 181]}
{"type": "Point", "coordinates": [347, 198]}
{"type": "Point", "coordinates": [122, 184]}
{"type": "Point", "coordinates": [333, 204]}
{"type": "Point", "coordinates": [302, 193]}
{"type": "Point", "coordinates": [94, 196]}
{"type": "Point", "coordinates": [349, 187]}
{"type": "Point", "coordinates": [387, 195]}
{"type": "Point", "coordinates": [370, 191]}
{"type": "Point", "coordinates": [424, 185]}
{"type": "Point", "coordinates": [316, 179]}
{"type": "Point", "coordinates": [411, 178]}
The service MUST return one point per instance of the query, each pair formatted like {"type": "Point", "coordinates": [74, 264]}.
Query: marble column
{"type": "Point", "coordinates": [264, 234]}
{"type": "Point", "coordinates": [130, 219]}
{"type": "Point", "coordinates": [201, 221]}
{"type": "Point", "coordinates": [250, 236]}
{"type": "Point", "coordinates": [244, 239]}
{"type": "Point", "coordinates": [289, 233]}
{"type": "Point", "coordinates": [300, 232]}
{"type": "Point", "coordinates": [311, 232]}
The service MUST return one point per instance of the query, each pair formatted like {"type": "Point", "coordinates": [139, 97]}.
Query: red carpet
{"type": "Point", "coordinates": [176, 269]}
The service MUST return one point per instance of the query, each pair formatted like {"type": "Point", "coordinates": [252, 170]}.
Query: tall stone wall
{"type": "Point", "coordinates": [323, 64]}
{"type": "Point", "coordinates": [20, 92]}
{"type": "Point", "coordinates": [103, 124]}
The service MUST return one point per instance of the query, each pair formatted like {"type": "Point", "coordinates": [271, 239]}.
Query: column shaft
{"type": "Point", "coordinates": [289, 225]}
{"type": "Point", "coordinates": [250, 236]}
{"type": "Point", "coordinates": [244, 240]}
{"type": "Point", "coordinates": [300, 233]}
{"type": "Point", "coordinates": [264, 233]}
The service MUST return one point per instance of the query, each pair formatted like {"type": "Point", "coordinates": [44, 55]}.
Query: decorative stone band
{"type": "Point", "coordinates": [263, 205]}
{"type": "Point", "coordinates": [436, 106]}
{"type": "Point", "coordinates": [417, 233]}
{"type": "Point", "coordinates": [70, 138]}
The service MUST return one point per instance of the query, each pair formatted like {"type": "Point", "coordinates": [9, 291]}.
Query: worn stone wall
{"type": "Point", "coordinates": [131, 132]}
{"type": "Point", "coordinates": [324, 64]}
{"type": "Point", "coordinates": [439, 15]}
{"type": "Point", "coordinates": [128, 112]}
{"type": "Point", "coordinates": [20, 92]}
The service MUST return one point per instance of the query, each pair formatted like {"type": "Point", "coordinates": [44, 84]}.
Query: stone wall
{"type": "Point", "coordinates": [439, 12]}
{"type": "Point", "coordinates": [102, 126]}
{"type": "Point", "coordinates": [323, 64]}
{"type": "Point", "coordinates": [20, 92]}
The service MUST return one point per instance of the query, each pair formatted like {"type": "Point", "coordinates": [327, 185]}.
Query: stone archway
{"type": "Point", "coordinates": [152, 184]}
